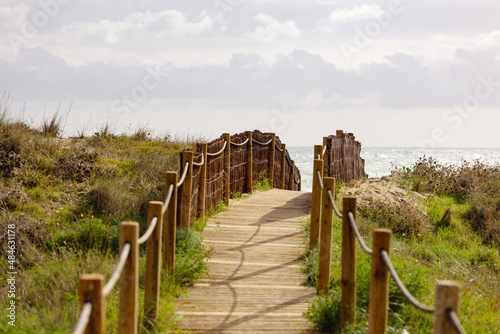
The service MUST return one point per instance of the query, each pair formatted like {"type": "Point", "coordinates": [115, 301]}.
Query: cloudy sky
{"type": "Point", "coordinates": [396, 73]}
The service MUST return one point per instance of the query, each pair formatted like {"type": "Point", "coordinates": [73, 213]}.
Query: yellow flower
{"type": "Point", "coordinates": [92, 216]}
{"type": "Point", "coordinates": [57, 211]}
{"type": "Point", "coordinates": [419, 235]}
{"type": "Point", "coordinates": [81, 214]}
{"type": "Point", "coordinates": [403, 234]}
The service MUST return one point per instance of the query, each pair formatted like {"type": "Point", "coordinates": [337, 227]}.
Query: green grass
{"type": "Point", "coordinates": [67, 199]}
{"type": "Point", "coordinates": [450, 247]}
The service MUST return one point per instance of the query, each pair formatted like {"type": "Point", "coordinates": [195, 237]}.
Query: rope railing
{"type": "Point", "coordinates": [401, 286]}
{"type": "Point", "coordinates": [323, 209]}
{"type": "Point", "coordinates": [199, 164]}
{"type": "Point", "coordinates": [184, 173]}
{"type": "Point", "coordinates": [218, 152]}
{"type": "Point", "coordinates": [354, 227]}
{"type": "Point", "coordinates": [455, 321]}
{"type": "Point", "coordinates": [83, 319]}
{"type": "Point", "coordinates": [164, 215]}
{"type": "Point", "coordinates": [149, 231]}
{"type": "Point", "coordinates": [118, 270]}
{"type": "Point", "coordinates": [241, 144]}
{"type": "Point", "coordinates": [263, 144]}
{"type": "Point", "coordinates": [324, 150]}
{"type": "Point", "coordinates": [169, 197]}
{"type": "Point", "coordinates": [279, 149]}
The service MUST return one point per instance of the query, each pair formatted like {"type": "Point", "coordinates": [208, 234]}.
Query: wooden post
{"type": "Point", "coordinates": [292, 176]}
{"type": "Point", "coordinates": [90, 289]}
{"type": "Point", "coordinates": [227, 168]}
{"type": "Point", "coordinates": [129, 280]}
{"type": "Point", "coordinates": [185, 207]}
{"type": "Point", "coordinates": [325, 245]}
{"type": "Point", "coordinates": [203, 182]}
{"type": "Point", "coordinates": [326, 158]}
{"type": "Point", "coordinates": [299, 186]}
{"type": "Point", "coordinates": [348, 281]}
{"type": "Point", "coordinates": [272, 153]}
{"type": "Point", "coordinates": [339, 132]}
{"type": "Point", "coordinates": [447, 297]}
{"type": "Point", "coordinates": [170, 225]}
{"type": "Point", "coordinates": [249, 184]}
{"type": "Point", "coordinates": [318, 152]}
{"type": "Point", "coordinates": [153, 264]}
{"type": "Point", "coordinates": [379, 284]}
{"type": "Point", "coordinates": [315, 204]}
{"type": "Point", "coordinates": [283, 164]}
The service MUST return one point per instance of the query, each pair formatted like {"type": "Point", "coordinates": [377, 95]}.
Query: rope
{"type": "Point", "coordinates": [199, 164]}
{"type": "Point", "coordinates": [149, 231]}
{"type": "Point", "coordinates": [288, 159]}
{"type": "Point", "coordinates": [404, 290]}
{"type": "Point", "coordinates": [119, 268]}
{"type": "Point", "coordinates": [240, 144]}
{"type": "Point", "coordinates": [217, 153]}
{"type": "Point", "coordinates": [350, 218]}
{"type": "Point", "coordinates": [294, 179]}
{"type": "Point", "coordinates": [279, 149]}
{"type": "Point", "coordinates": [332, 202]}
{"type": "Point", "coordinates": [320, 179]}
{"type": "Point", "coordinates": [83, 319]}
{"type": "Point", "coordinates": [455, 321]}
{"type": "Point", "coordinates": [263, 144]}
{"type": "Point", "coordinates": [324, 149]}
{"type": "Point", "coordinates": [181, 181]}
{"type": "Point", "coordinates": [169, 196]}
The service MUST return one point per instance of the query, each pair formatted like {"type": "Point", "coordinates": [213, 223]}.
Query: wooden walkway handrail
{"type": "Point", "coordinates": [161, 231]}
{"type": "Point", "coordinates": [445, 311]}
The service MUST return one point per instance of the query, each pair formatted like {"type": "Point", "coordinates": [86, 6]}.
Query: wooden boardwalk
{"type": "Point", "coordinates": [254, 283]}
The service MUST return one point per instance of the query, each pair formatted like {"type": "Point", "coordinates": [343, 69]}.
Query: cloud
{"type": "Point", "coordinates": [356, 13]}
{"type": "Point", "coordinates": [165, 22]}
{"type": "Point", "coordinates": [270, 28]}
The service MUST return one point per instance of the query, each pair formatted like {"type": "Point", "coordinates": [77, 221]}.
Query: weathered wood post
{"type": "Point", "coordinates": [292, 176]}
{"type": "Point", "coordinates": [379, 283]}
{"type": "Point", "coordinates": [348, 281]}
{"type": "Point", "coordinates": [315, 204]}
{"type": "Point", "coordinates": [326, 157]}
{"type": "Point", "coordinates": [129, 280]}
{"type": "Point", "coordinates": [325, 245]}
{"type": "Point", "coordinates": [249, 184]}
{"type": "Point", "coordinates": [272, 153]}
{"type": "Point", "coordinates": [227, 168]}
{"type": "Point", "coordinates": [170, 225]}
{"type": "Point", "coordinates": [283, 162]}
{"type": "Point", "coordinates": [153, 264]}
{"type": "Point", "coordinates": [447, 298]}
{"type": "Point", "coordinates": [203, 182]}
{"type": "Point", "coordinates": [185, 207]}
{"type": "Point", "coordinates": [90, 289]}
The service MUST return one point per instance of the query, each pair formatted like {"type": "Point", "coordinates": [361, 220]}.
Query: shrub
{"type": "Point", "coordinates": [400, 217]}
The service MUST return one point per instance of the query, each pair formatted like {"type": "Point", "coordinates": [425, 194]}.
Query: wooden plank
{"type": "Point", "coordinates": [255, 283]}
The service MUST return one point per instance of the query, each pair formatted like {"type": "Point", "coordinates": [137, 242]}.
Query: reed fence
{"type": "Point", "coordinates": [447, 298]}
{"type": "Point", "coordinates": [211, 174]}
{"type": "Point", "coordinates": [341, 154]}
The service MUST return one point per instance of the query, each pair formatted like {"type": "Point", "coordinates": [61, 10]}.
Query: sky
{"type": "Point", "coordinates": [397, 73]}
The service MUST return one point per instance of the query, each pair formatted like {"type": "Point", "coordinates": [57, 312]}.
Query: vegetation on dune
{"type": "Point", "coordinates": [453, 234]}
{"type": "Point", "coordinates": [67, 198]}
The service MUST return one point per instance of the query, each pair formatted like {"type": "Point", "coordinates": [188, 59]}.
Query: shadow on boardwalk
{"type": "Point", "coordinates": [255, 283]}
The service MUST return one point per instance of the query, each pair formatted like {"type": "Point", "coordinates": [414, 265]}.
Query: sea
{"type": "Point", "coordinates": [380, 161]}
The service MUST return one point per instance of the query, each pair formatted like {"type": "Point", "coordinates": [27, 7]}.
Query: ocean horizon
{"type": "Point", "coordinates": [380, 161]}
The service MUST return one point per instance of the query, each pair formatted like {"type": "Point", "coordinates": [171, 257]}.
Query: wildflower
{"type": "Point", "coordinates": [81, 214]}
{"type": "Point", "coordinates": [57, 211]}
{"type": "Point", "coordinates": [419, 235]}
{"type": "Point", "coordinates": [404, 234]}
{"type": "Point", "coordinates": [92, 216]}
